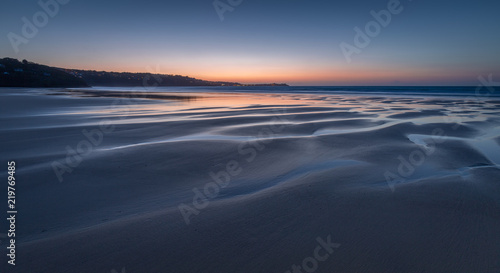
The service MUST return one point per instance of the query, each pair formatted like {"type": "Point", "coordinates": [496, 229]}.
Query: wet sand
{"type": "Point", "coordinates": [239, 182]}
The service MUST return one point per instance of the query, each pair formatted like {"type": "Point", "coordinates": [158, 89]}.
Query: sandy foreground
{"type": "Point", "coordinates": [234, 182]}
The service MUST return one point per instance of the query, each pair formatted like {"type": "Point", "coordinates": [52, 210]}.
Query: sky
{"type": "Point", "coordinates": [299, 42]}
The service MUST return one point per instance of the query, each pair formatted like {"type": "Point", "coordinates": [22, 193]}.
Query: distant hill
{"type": "Point", "coordinates": [14, 73]}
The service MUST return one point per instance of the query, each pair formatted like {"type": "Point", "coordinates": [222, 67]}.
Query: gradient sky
{"type": "Point", "coordinates": [294, 41]}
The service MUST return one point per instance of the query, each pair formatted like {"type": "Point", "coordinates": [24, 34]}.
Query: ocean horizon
{"type": "Point", "coordinates": [480, 91]}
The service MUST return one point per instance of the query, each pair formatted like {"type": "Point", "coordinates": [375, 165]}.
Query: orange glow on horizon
{"type": "Point", "coordinates": [346, 75]}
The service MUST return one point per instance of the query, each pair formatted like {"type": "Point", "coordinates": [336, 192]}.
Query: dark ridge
{"type": "Point", "coordinates": [14, 73]}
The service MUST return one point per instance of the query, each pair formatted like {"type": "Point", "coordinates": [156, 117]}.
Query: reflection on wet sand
{"type": "Point", "coordinates": [307, 165]}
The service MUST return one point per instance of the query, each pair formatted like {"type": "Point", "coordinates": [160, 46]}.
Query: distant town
{"type": "Point", "coordinates": [15, 73]}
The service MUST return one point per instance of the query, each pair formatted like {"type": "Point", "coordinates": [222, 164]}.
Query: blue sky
{"type": "Point", "coordinates": [294, 41]}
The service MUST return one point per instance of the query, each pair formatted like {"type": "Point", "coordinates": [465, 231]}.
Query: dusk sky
{"type": "Point", "coordinates": [294, 41]}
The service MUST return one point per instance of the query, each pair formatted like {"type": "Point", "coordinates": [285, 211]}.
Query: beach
{"type": "Point", "coordinates": [208, 181]}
